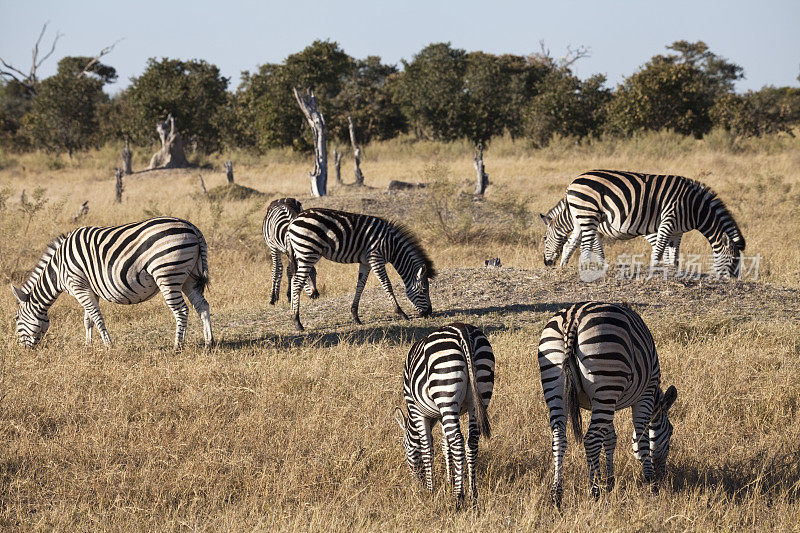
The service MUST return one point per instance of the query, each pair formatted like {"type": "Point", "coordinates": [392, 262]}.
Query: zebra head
{"type": "Point", "coordinates": [418, 289]}
{"type": "Point", "coordinates": [728, 256]}
{"type": "Point", "coordinates": [554, 238]}
{"type": "Point", "coordinates": [31, 322]}
{"type": "Point", "coordinates": [661, 428]}
{"type": "Point", "coordinates": [410, 442]}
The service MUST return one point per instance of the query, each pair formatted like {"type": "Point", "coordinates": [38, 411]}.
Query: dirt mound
{"type": "Point", "coordinates": [233, 191]}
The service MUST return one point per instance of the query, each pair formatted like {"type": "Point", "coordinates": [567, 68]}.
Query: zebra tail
{"type": "Point", "coordinates": [205, 279]}
{"type": "Point", "coordinates": [571, 401]}
{"type": "Point", "coordinates": [480, 410]}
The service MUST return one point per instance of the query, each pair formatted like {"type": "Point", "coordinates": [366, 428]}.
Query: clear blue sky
{"type": "Point", "coordinates": [236, 35]}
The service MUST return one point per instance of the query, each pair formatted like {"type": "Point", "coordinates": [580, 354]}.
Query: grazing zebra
{"type": "Point", "coordinates": [122, 264]}
{"type": "Point", "coordinates": [623, 205]}
{"type": "Point", "coordinates": [447, 373]}
{"type": "Point", "coordinates": [601, 356]}
{"type": "Point", "coordinates": [279, 214]}
{"type": "Point", "coordinates": [369, 241]}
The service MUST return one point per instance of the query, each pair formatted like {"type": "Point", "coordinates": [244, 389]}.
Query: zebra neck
{"type": "Point", "coordinates": [710, 222]}
{"type": "Point", "coordinates": [47, 288]}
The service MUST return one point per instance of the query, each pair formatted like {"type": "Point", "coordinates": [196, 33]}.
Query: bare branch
{"type": "Point", "coordinates": [105, 51]}
{"type": "Point", "coordinates": [29, 80]}
{"type": "Point", "coordinates": [573, 55]}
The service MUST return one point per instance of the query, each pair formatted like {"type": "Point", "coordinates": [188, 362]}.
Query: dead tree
{"type": "Point", "coordinates": [229, 171]}
{"type": "Point", "coordinates": [30, 81]}
{"type": "Point", "coordinates": [482, 176]}
{"type": "Point", "coordinates": [127, 155]}
{"type": "Point", "coordinates": [319, 177]}
{"type": "Point", "coordinates": [356, 153]}
{"type": "Point", "coordinates": [337, 165]}
{"type": "Point", "coordinates": [203, 185]}
{"type": "Point", "coordinates": [171, 154]}
{"type": "Point", "coordinates": [119, 187]}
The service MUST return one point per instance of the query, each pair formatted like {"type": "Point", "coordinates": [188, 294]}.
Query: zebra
{"type": "Point", "coordinates": [279, 214]}
{"type": "Point", "coordinates": [367, 240]}
{"type": "Point", "coordinates": [623, 205]}
{"type": "Point", "coordinates": [447, 373]}
{"type": "Point", "coordinates": [601, 356]}
{"type": "Point", "coordinates": [124, 264]}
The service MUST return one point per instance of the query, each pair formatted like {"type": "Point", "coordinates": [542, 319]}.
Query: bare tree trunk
{"type": "Point", "coordinates": [482, 176]}
{"type": "Point", "coordinates": [319, 178]}
{"type": "Point", "coordinates": [127, 155]}
{"type": "Point", "coordinates": [119, 187]}
{"type": "Point", "coordinates": [81, 212]}
{"type": "Point", "coordinates": [172, 154]}
{"type": "Point", "coordinates": [229, 171]}
{"type": "Point", "coordinates": [203, 185]}
{"type": "Point", "coordinates": [337, 165]}
{"type": "Point", "coordinates": [356, 153]}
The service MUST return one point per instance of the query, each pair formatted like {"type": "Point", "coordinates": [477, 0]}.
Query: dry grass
{"type": "Point", "coordinates": [273, 430]}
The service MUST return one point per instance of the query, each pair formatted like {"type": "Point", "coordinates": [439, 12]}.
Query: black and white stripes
{"type": "Point", "coordinates": [122, 264]}
{"type": "Point", "coordinates": [623, 205]}
{"type": "Point", "coordinates": [447, 373]}
{"type": "Point", "coordinates": [279, 214]}
{"type": "Point", "coordinates": [371, 242]}
{"type": "Point", "coordinates": [601, 356]}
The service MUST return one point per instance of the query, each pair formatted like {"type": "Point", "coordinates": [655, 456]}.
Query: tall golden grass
{"type": "Point", "coordinates": [271, 430]}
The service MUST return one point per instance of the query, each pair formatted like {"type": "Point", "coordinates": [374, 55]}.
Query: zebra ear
{"type": "Point", "coordinates": [545, 219]}
{"type": "Point", "coordinates": [421, 273]}
{"type": "Point", "coordinates": [19, 295]}
{"type": "Point", "coordinates": [400, 418]}
{"type": "Point", "coordinates": [669, 398]}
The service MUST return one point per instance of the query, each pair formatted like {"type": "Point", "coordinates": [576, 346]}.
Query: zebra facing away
{"type": "Point", "coordinates": [279, 214]}
{"type": "Point", "coordinates": [623, 205]}
{"type": "Point", "coordinates": [447, 373]}
{"type": "Point", "coordinates": [367, 240]}
{"type": "Point", "coordinates": [125, 264]}
{"type": "Point", "coordinates": [601, 356]}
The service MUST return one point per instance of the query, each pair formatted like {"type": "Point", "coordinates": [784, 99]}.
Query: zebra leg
{"type": "Point", "coordinates": [455, 440]}
{"type": "Point", "coordinates": [174, 298]}
{"type": "Point", "coordinates": [593, 443]}
{"type": "Point", "coordinates": [277, 273]}
{"type": "Point", "coordinates": [570, 246]}
{"type": "Point", "coordinates": [665, 231]}
{"type": "Point", "coordinates": [200, 304]}
{"type": "Point", "coordinates": [472, 453]}
{"type": "Point", "coordinates": [559, 428]}
{"type": "Point", "coordinates": [609, 444]}
{"type": "Point", "coordinates": [363, 274]}
{"type": "Point", "coordinates": [448, 460]}
{"type": "Point", "coordinates": [91, 309]}
{"type": "Point", "coordinates": [311, 284]}
{"type": "Point", "coordinates": [88, 325]}
{"type": "Point", "coordinates": [301, 269]}
{"type": "Point", "coordinates": [379, 267]}
{"type": "Point", "coordinates": [674, 247]}
{"type": "Point", "coordinates": [590, 241]}
{"type": "Point", "coordinates": [652, 238]}
{"type": "Point", "coordinates": [426, 443]}
{"type": "Point", "coordinates": [642, 411]}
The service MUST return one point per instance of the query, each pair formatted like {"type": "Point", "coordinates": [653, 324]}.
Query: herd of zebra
{"type": "Point", "coordinates": [594, 355]}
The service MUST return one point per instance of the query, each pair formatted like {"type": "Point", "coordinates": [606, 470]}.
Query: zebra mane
{"type": "Point", "coordinates": [557, 209]}
{"type": "Point", "coordinates": [405, 233]}
{"type": "Point", "coordinates": [43, 261]}
{"type": "Point", "coordinates": [722, 211]}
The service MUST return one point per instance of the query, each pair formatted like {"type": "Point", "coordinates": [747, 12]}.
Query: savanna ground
{"type": "Point", "coordinates": [278, 430]}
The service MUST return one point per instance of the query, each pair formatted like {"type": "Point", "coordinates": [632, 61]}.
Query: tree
{"type": "Point", "coordinates": [756, 113]}
{"type": "Point", "coordinates": [194, 93]}
{"type": "Point", "coordinates": [64, 113]}
{"type": "Point", "coordinates": [266, 112]}
{"type": "Point", "coordinates": [15, 101]}
{"type": "Point", "coordinates": [673, 91]}
{"type": "Point", "coordinates": [566, 106]}
{"type": "Point", "coordinates": [431, 93]}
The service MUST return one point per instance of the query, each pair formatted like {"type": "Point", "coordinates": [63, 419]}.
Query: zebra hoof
{"type": "Point", "coordinates": [595, 492]}
{"type": "Point", "coordinates": [556, 494]}
{"type": "Point", "coordinates": [314, 295]}
{"type": "Point", "coordinates": [272, 300]}
{"type": "Point", "coordinates": [402, 314]}
{"type": "Point", "coordinates": [298, 326]}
